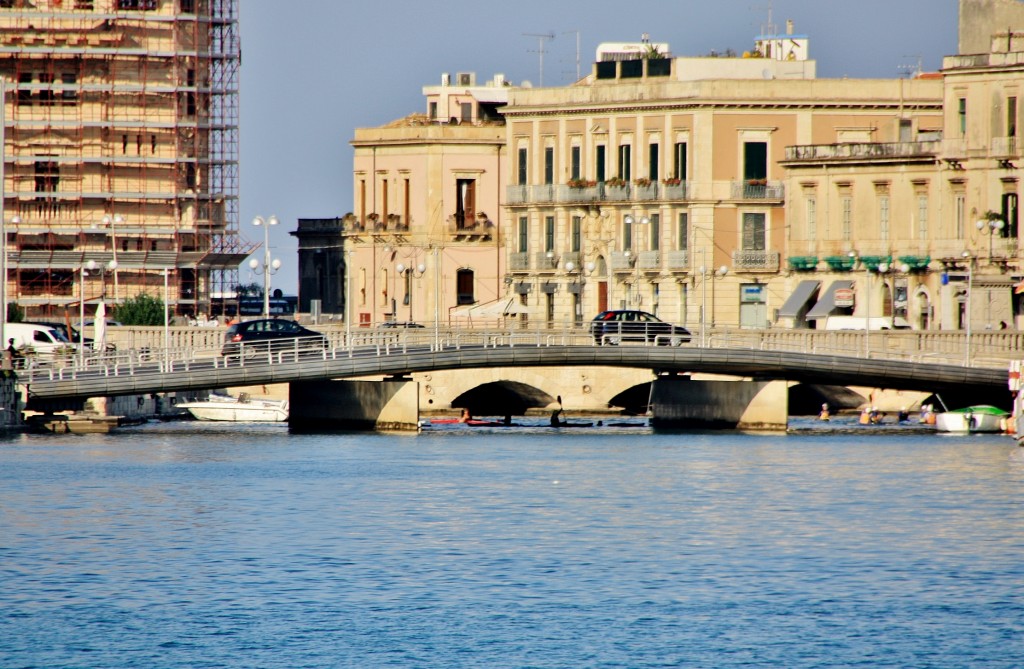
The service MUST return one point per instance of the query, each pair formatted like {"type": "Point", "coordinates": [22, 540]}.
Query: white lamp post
{"type": "Point", "coordinates": [86, 268]}
{"type": "Point", "coordinates": [991, 227]}
{"type": "Point", "coordinates": [583, 271]}
{"type": "Point", "coordinates": [269, 267]}
{"type": "Point", "coordinates": [408, 274]}
{"type": "Point", "coordinates": [167, 331]}
{"type": "Point", "coordinates": [15, 220]}
{"type": "Point", "coordinates": [967, 307]}
{"type": "Point", "coordinates": [111, 222]}
{"type": "Point", "coordinates": [720, 273]}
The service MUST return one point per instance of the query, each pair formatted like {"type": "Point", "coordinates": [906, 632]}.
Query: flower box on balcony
{"type": "Point", "coordinates": [873, 262]}
{"type": "Point", "coordinates": [840, 263]}
{"type": "Point", "coordinates": [915, 263]}
{"type": "Point", "coordinates": [803, 263]}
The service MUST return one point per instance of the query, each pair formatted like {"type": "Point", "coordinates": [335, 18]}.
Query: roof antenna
{"type": "Point", "coordinates": [540, 49]}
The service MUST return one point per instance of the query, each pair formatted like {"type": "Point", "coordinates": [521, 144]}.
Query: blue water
{"type": "Point", "coordinates": [191, 545]}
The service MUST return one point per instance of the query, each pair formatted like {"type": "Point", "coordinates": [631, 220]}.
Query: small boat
{"type": "Point", "coordinates": [977, 418]}
{"type": "Point", "coordinates": [241, 409]}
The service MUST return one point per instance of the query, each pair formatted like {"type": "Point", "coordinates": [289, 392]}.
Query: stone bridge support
{"type": "Point", "coordinates": [391, 404]}
{"type": "Point", "coordinates": [679, 402]}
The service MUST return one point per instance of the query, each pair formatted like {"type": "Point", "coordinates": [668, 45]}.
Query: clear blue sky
{"type": "Point", "coordinates": [314, 70]}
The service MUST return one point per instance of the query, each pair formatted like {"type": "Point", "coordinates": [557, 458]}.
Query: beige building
{"type": "Point", "coordinates": [120, 151]}
{"type": "Point", "coordinates": [923, 224]}
{"type": "Point", "coordinates": [658, 183]}
{"type": "Point", "coordinates": [425, 242]}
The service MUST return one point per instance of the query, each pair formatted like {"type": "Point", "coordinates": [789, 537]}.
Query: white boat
{"type": "Point", "coordinates": [241, 409]}
{"type": "Point", "coordinates": [977, 418]}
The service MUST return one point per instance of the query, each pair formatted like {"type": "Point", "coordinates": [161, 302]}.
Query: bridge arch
{"type": "Point", "coordinates": [510, 398]}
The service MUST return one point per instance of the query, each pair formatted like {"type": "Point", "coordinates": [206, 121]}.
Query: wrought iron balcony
{"type": "Point", "coordinates": [756, 261]}
{"type": "Point", "coordinates": [757, 189]}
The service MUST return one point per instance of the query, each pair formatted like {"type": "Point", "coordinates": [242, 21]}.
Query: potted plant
{"type": "Point", "coordinates": [615, 182]}
{"type": "Point", "coordinates": [581, 183]}
{"type": "Point", "coordinates": [757, 182]}
{"type": "Point", "coordinates": [671, 181]}
{"type": "Point", "coordinates": [643, 182]}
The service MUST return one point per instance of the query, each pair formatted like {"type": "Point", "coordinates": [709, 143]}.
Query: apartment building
{"type": "Point", "coordinates": [923, 225]}
{"type": "Point", "coordinates": [120, 152]}
{"type": "Point", "coordinates": [424, 242]}
{"type": "Point", "coordinates": [659, 183]}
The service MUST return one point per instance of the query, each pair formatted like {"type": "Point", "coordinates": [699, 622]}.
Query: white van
{"type": "Point", "coordinates": [862, 323]}
{"type": "Point", "coordinates": [40, 339]}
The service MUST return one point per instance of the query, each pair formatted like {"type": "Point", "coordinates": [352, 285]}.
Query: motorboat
{"type": "Point", "coordinates": [977, 418]}
{"type": "Point", "coordinates": [241, 409]}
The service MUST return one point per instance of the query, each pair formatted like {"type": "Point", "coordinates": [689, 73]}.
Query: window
{"type": "Point", "coordinates": [655, 232]}
{"type": "Point", "coordinates": [465, 202]}
{"type": "Point", "coordinates": [576, 241]}
{"type": "Point", "coordinates": [846, 203]}
{"type": "Point", "coordinates": [464, 287]}
{"type": "Point", "coordinates": [755, 160]}
{"type": "Point", "coordinates": [812, 218]}
{"type": "Point", "coordinates": [549, 233]}
{"type": "Point", "coordinates": [137, 4]}
{"type": "Point", "coordinates": [600, 159]}
{"type": "Point", "coordinates": [188, 6]}
{"type": "Point", "coordinates": [652, 162]}
{"type": "Point", "coordinates": [24, 89]}
{"type": "Point", "coordinates": [47, 176]}
{"type": "Point", "coordinates": [922, 217]}
{"type": "Point", "coordinates": [625, 161]}
{"type": "Point", "coordinates": [1011, 116]}
{"type": "Point", "coordinates": [524, 234]}
{"type": "Point", "coordinates": [521, 165]}
{"type": "Point", "coordinates": [883, 217]}
{"type": "Point", "coordinates": [679, 161]}
{"type": "Point", "coordinates": [466, 111]}
{"type": "Point", "coordinates": [754, 233]}
{"type": "Point", "coordinates": [683, 234]}
{"type": "Point", "coordinates": [384, 200]}
{"type": "Point", "coordinates": [46, 89]}
{"type": "Point", "coordinates": [959, 204]}
{"type": "Point", "coordinates": [574, 157]}
{"type": "Point", "coordinates": [1009, 216]}
{"type": "Point", "coordinates": [432, 111]}
{"type": "Point", "coordinates": [961, 113]}
{"type": "Point", "coordinates": [549, 165]}
{"type": "Point", "coordinates": [627, 235]}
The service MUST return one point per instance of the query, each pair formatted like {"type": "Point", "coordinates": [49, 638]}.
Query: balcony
{"type": "Point", "coordinates": [577, 193]}
{"type": "Point", "coordinates": [675, 190]}
{"type": "Point", "coordinates": [545, 260]}
{"type": "Point", "coordinates": [757, 189]}
{"type": "Point", "coordinates": [518, 194]}
{"type": "Point", "coordinates": [519, 262]}
{"type": "Point", "coordinates": [645, 192]}
{"type": "Point", "coordinates": [678, 260]}
{"type": "Point", "coordinates": [755, 261]}
{"type": "Point", "coordinates": [803, 263]}
{"type": "Point", "coordinates": [1005, 147]}
{"type": "Point", "coordinates": [543, 193]}
{"type": "Point", "coordinates": [649, 260]}
{"type": "Point", "coordinates": [863, 151]}
{"type": "Point", "coordinates": [622, 261]}
{"type": "Point", "coordinates": [615, 192]}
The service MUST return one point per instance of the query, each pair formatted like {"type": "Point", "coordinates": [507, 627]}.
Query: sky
{"type": "Point", "coordinates": [315, 70]}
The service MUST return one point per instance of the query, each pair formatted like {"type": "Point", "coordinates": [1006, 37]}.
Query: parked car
{"type": "Point", "coordinates": [400, 324]}
{"type": "Point", "coordinates": [70, 332]}
{"type": "Point", "coordinates": [613, 327]}
{"type": "Point", "coordinates": [273, 334]}
{"type": "Point", "coordinates": [43, 340]}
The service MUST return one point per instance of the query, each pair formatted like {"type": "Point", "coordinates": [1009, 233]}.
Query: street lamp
{"type": "Point", "coordinates": [991, 227]}
{"type": "Point", "coordinates": [408, 274]}
{"type": "Point", "coordinates": [85, 269]}
{"type": "Point", "coordinates": [111, 222]}
{"type": "Point", "coordinates": [15, 220]}
{"type": "Point", "coordinates": [720, 273]}
{"type": "Point", "coordinates": [967, 306]}
{"type": "Point", "coordinates": [582, 271]}
{"type": "Point", "coordinates": [269, 267]}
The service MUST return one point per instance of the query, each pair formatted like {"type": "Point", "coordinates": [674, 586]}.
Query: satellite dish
{"type": "Point", "coordinates": [767, 74]}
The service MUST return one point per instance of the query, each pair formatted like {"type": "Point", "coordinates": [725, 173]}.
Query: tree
{"type": "Point", "coordinates": [140, 310]}
{"type": "Point", "coordinates": [15, 314]}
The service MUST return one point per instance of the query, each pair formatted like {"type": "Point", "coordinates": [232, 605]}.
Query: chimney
{"type": "Point", "coordinates": [789, 26]}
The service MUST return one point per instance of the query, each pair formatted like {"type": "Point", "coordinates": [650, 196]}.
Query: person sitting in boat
{"type": "Point", "coordinates": [555, 420]}
{"type": "Point", "coordinates": [865, 416]}
{"type": "Point", "coordinates": [824, 414]}
{"type": "Point", "coordinates": [466, 416]}
{"type": "Point", "coordinates": [902, 416]}
{"type": "Point", "coordinates": [876, 416]}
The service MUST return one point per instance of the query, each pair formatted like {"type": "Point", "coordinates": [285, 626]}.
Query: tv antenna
{"type": "Point", "coordinates": [772, 31]}
{"type": "Point", "coordinates": [577, 33]}
{"type": "Point", "coordinates": [911, 71]}
{"type": "Point", "coordinates": [540, 49]}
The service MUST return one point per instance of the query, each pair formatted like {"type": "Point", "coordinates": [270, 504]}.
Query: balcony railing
{"type": "Point", "coordinates": [518, 261]}
{"type": "Point", "coordinates": [518, 194]}
{"type": "Point", "coordinates": [646, 193]}
{"type": "Point", "coordinates": [621, 261]}
{"type": "Point", "coordinates": [574, 194]}
{"type": "Point", "coordinates": [544, 193]}
{"type": "Point", "coordinates": [677, 260]}
{"type": "Point", "coordinates": [543, 261]}
{"type": "Point", "coordinates": [757, 190]}
{"type": "Point", "coordinates": [1005, 147]}
{"type": "Point", "coordinates": [614, 193]}
{"type": "Point", "coordinates": [756, 261]}
{"type": "Point", "coordinates": [862, 151]}
{"type": "Point", "coordinates": [649, 260]}
{"type": "Point", "coordinates": [600, 192]}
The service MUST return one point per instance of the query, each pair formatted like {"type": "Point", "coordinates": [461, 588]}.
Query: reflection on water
{"type": "Point", "coordinates": [205, 545]}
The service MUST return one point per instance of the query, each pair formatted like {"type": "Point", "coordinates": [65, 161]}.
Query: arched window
{"type": "Point", "coordinates": [464, 287]}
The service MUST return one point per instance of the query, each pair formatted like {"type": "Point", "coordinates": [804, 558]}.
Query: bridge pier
{"type": "Point", "coordinates": [680, 402]}
{"type": "Point", "coordinates": [391, 404]}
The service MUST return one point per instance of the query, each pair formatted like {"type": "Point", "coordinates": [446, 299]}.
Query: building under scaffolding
{"type": "Point", "coordinates": [120, 151]}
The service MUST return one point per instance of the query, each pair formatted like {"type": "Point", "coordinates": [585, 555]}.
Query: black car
{"type": "Point", "coordinates": [270, 334]}
{"type": "Point", "coordinates": [613, 327]}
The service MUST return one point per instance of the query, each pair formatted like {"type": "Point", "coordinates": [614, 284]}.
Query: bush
{"type": "Point", "coordinates": [140, 310]}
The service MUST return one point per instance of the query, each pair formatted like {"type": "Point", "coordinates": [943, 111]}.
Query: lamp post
{"type": "Point", "coordinates": [991, 227]}
{"type": "Point", "coordinates": [582, 271]}
{"type": "Point", "coordinates": [703, 296]}
{"type": "Point", "coordinates": [111, 222]}
{"type": "Point", "coordinates": [269, 267]}
{"type": "Point", "coordinates": [967, 306]}
{"type": "Point", "coordinates": [15, 220]}
{"type": "Point", "coordinates": [167, 330]}
{"type": "Point", "coordinates": [720, 273]}
{"type": "Point", "coordinates": [408, 274]}
{"type": "Point", "coordinates": [85, 269]}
